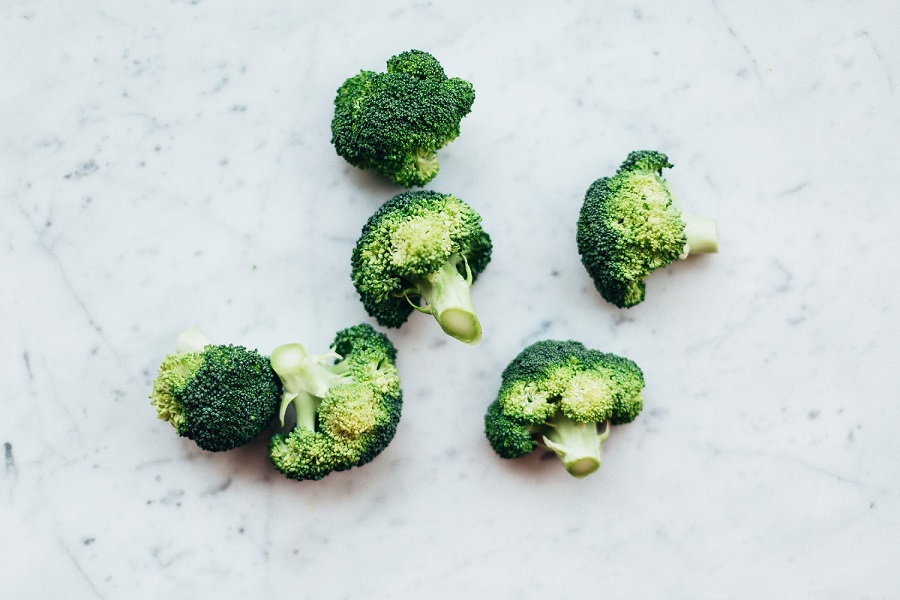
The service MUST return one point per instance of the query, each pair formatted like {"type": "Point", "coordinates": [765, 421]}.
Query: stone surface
{"type": "Point", "coordinates": [164, 164]}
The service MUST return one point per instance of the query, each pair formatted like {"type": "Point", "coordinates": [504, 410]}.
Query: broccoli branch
{"type": "Point", "coordinates": [306, 379]}
{"type": "Point", "coordinates": [191, 340]}
{"type": "Point", "coordinates": [702, 235]}
{"type": "Point", "coordinates": [577, 444]}
{"type": "Point", "coordinates": [448, 298]}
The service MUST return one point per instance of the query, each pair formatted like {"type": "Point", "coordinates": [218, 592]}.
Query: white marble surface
{"type": "Point", "coordinates": [168, 163]}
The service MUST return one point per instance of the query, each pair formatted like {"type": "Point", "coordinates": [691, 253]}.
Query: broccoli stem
{"type": "Point", "coordinates": [306, 407]}
{"type": "Point", "coordinates": [701, 233]}
{"type": "Point", "coordinates": [448, 298]}
{"type": "Point", "coordinates": [305, 379]}
{"type": "Point", "coordinates": [577, 444]}
{"type": "Point", "coordinates": [191, 340]}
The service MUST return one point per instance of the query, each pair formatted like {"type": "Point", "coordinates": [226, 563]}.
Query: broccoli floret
{"type": "Point", "coordinates": [422, 246]}
{"type": "Point", "coordinates": [557, 394]}
{"type": "Point", "coordinates": [347, 403]}
{"type": "Point", "coordinates": [631, 225]}
{"type": "Point", "coordinates": [219, 396]}
{"type": "Point", "coordinates": [395, 122]}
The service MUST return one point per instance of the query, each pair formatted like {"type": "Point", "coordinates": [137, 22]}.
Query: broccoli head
{"type": "Point", "coordinates": [347, 402]}
{"type": "Point", "coordinates": [395, 122]}
{"type": "Point", "coordinates": [630, 225]}
{"type": "Point", "coordinates": [557, 394]}
{"type": "Point", "coordinates": [219, 396]}
{"type": "Point", "coordinates": [427, 247]}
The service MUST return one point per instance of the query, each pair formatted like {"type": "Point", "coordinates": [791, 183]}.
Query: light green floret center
{"type": "Point", "coordinates": [448, 298]}
{"type": "Point", "coordinates": [419, 167]}
{"type": "Point", "coordinates": [306, 379]}
{"type": "Point", "coordinates": [557, 378]}
{"type": "Point", "coordinates": [588, 398]}
{"type": "Point", "coordinates": [527, 401]}
{"type": "Point", "coordinates": [426, 164]}
{"type": "Point", "coordinates": [648, 223]}
{"type": "Point", "coordinates": [659, 209]}
{"type": "Point", "coordinates": [419, 243]}
{"type": "Point", "coordinates": [536, 402]}
{"type": "Point", "coordinates": [381, 375]}
{"type": "Point", "coordinates": [174, 373]}
{"type": "Point", "coordinates": [350, 410]}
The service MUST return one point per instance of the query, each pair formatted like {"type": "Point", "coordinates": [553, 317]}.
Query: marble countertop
{"type": "Point", "coordinates": [164, 164]}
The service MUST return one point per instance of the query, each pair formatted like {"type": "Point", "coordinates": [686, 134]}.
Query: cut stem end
{"type": "Point", "coordinates": [702, 235]}
{"type": "Point", "coordinates": [461, 324]}
{"type": "Point", "coordinates": [191, 340]}
{"type": "Point", "coordinates": [583, 467]}
{"type": "Point", "coordinates": [447, 295]}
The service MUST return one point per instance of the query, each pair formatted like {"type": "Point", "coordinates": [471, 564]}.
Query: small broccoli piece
{"type": "Point", "coordinates": [630, 225]}
{"type": "Point", "coordinates": [347, 403]}
{"type": "Point", "coordinates": [395, 122]}
{"type": "Point", "coordinates": [555, 394]}
{"type": "Point", "coordinates": [219, 396]}
{"type": "Point", "coordinates": [422, 246]}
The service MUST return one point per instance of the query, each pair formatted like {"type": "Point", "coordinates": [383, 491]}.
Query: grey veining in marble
{"type": "Point", "coordinates": [164, 164]}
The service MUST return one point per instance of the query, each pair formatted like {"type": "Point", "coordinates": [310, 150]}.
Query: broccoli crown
{"type": "Point", "coordinates": [413, 235]}
{"type": "Point", "coordinates": [629, 226]}
{"type": "Point", "coordinates": [347, 402]}
{"type": "Point", "coordinates": [557, 392]}
{"type": "Point", "coordinates": [221, 397]}
{"type": "Point", "coordinates": [395, 122]}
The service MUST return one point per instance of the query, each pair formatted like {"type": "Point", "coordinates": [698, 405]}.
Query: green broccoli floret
{"type": "Point", "coordinates": [555, 394]}
{"type": "Point", "coordinates": [422, 246]}
{"type": "Point", "coordinates": [219, 396]}
{"type": "Point", "coordinates": [631, 225]}
{"type": "Point", "coordinates": [347, 403]}
{"type": "Point", "coordinates": [395, 122]}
